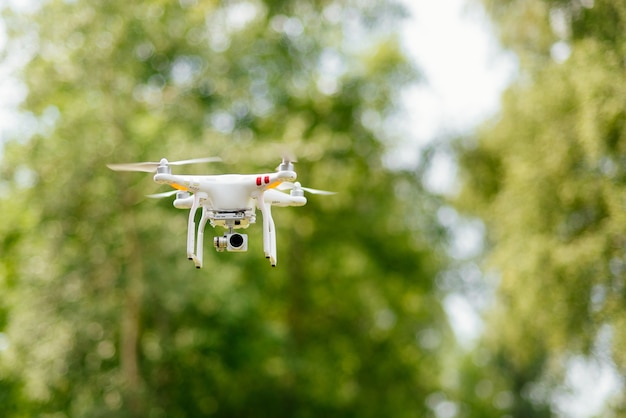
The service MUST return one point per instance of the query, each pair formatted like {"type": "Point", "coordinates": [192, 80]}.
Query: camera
{"type": "Point", "coordinates": [231, 242]}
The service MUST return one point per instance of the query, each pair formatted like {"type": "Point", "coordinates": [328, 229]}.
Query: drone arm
{"type": "Point", "coordinates": [274, 197]}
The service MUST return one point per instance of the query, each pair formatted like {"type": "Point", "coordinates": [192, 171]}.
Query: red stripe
{"type": "Point", "coordinates": [258, 181]}
{"type": "Point", "coordinates": [267, 179]}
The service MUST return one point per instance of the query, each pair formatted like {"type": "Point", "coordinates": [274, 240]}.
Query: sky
{"type": "Point", "coordinates": [465, 71]}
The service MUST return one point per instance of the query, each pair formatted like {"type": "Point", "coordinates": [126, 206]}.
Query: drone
{"type": "Point", "coordinates": [228, 201]}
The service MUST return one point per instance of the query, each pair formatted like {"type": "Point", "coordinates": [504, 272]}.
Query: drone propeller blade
{"type": "Point", "coordinates": [161, 195]}
{"type": "Point", "coordinates": [287, 185]}
{"type": "Point", "coordinates": [287, 161]}
{"type": "Point", "coordinates": [288, 156]}
{"type": "Point", "coordinates": [150, 167]}
{"type": "Point", "coordinates": [317, 191]}
{"type": "Point", "coordinates": [196, 161]}
{"type": "Point", "coordinates": [144, 167]}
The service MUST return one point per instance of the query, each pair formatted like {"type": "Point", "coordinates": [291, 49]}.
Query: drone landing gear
{"type": "Point", "coordinates": [196, 256]}
{"type": "Point", "coordinates": [230, 241]}
{"type": "Point", "coordinates": [269, 230]}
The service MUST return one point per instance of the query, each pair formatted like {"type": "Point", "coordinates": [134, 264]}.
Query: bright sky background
{"type": "Point", "coordinates": [464, 68]}
{"type": "Point", "coordinates": [464, 72]}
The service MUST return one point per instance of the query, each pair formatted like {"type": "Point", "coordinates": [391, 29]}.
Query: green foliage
{"type": "Point", "coordinates": [490, 384]}
{"type": "Point", "coordinates": [103, 313]}
{"type": "Point", "coordinates": [547, 178]}
{"type": "Point", "coordinates": [531, 28]}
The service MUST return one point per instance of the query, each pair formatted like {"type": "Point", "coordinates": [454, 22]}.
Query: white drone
{"type": "Point", "coordinates": [227, 200]}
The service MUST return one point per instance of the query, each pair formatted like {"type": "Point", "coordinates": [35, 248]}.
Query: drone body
{"type": "Point", "coordinates": [229, 201]}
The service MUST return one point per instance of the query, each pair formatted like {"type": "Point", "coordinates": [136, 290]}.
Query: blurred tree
{"type": "Point", "coordinates": [547, 177]}
{"type": "Point", "coordinates": [103, 313]}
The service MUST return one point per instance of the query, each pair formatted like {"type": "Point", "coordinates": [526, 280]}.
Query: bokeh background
{"type": "Point", "coordinates": [102, 315]}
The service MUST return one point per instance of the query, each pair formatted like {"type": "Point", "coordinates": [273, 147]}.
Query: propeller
{"type": "Point", "coordinates": [150, 167]}
{"type": "Point", "coordinates": [287, 161]}
{"type": "Point", "coordinates": [288, 156]}
{"type": "Point", "coordinates": [287, 185]}
{"type": "Point", "coordinates": [162, 195]}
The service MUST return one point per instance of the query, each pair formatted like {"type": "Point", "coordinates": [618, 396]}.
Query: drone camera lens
{"type": "Point", "coordinates": [231, 242]}
{"type": "Point", "coordinates": [236, 240]}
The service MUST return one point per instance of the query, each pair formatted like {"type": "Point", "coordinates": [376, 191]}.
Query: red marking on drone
{"type": "Point", "coordinates": [258, 181]}
{"type": "Point", "coordinates": [267, 179]}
